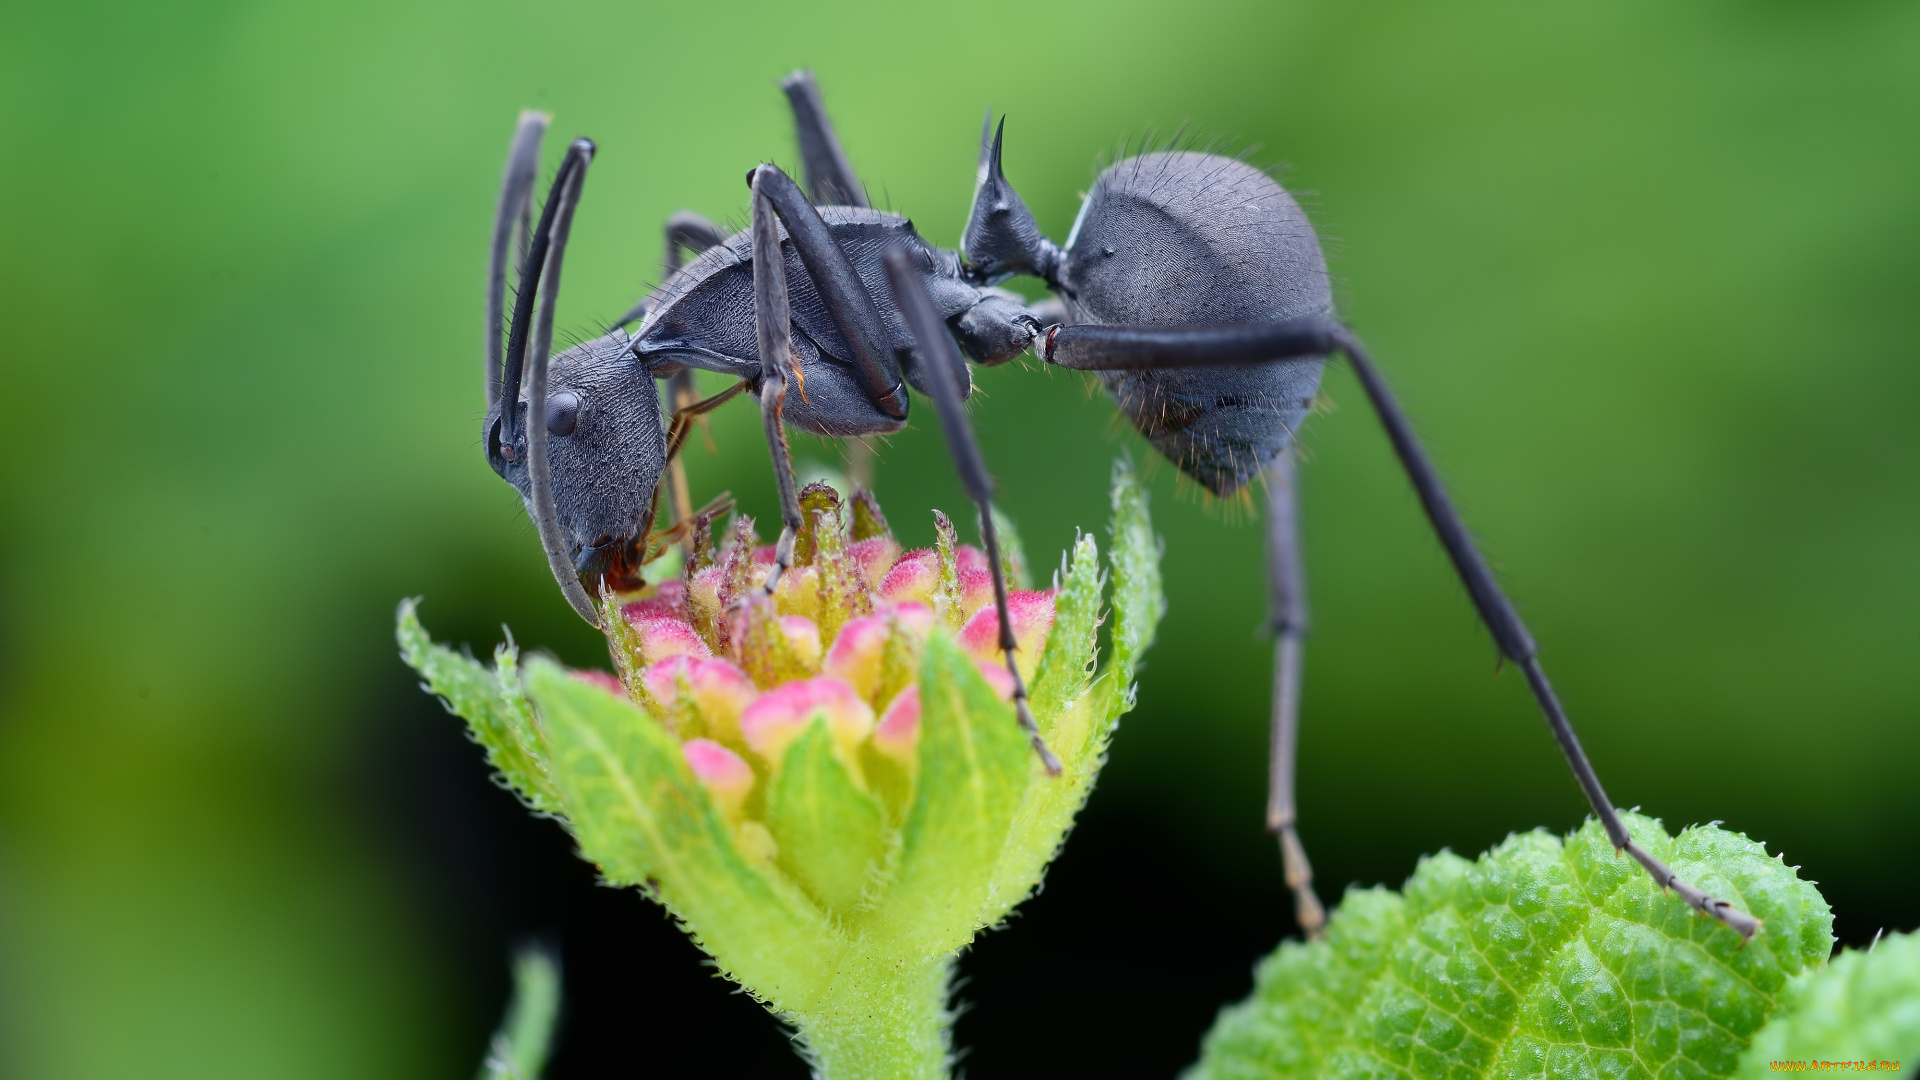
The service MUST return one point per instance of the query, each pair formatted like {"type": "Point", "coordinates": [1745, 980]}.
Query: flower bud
{"type": "Point", "coordinates": [768, 648]}
{"type": "Point", "coordinates": [1032, 617]}
{"type": "Point", "coordinates": [915, 576]}
{"type": "Point", "coordinates": [669, 599]}
{"type": "Point", "coordinates": [911, 616]}
{"type": "Point", "coordinates": [804, 637]}
{"type": "Point", "coordinates": [857, 652]}
{"type": "Point", "coordinates": [702, 694]}
{"type": "Point", "coordinates": [908, 624]}
{"type": "Point", "coordinates": [976, 585]}
{"type": "Point", "coordinates": [704, 609]}
{"type": "Point", "coordinates": [798, 592]}
{"type": "Point", "coordinates": [997, 676]}
{"type": "Point", "coordinates": [726, 774]}
{"type": "Point", "coordinates": [897, 735]}
{"type": "Point", "coordinates": [968, 557]}
{"type": "Point", "coordinates": [662, 636]}
{"type": "Point", "coordinates": [874, 556]}
{"type": "Point", "coordinates": [782, 714]}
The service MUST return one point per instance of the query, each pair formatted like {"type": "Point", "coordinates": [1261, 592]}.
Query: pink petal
{"type": "Point", "coordinates": [1032, 618]}
{"type": "Point", "coordinates": [874, 556]}
{"type": "Point", "coordinates": [856, 653]}
{"type": "Point", "coordinates": [725, 773]}
{"type": "Point", "coordinates": [997, 676]}
{"type": "Point", "coordinates": [799, 591]}
{"type": "Point", "coordinates": [897, 736]}
{"type": "Point", "coordinates": [970, 557]}
{"type": "Point", "coordinates": [669, 598]}
{"type": "Point", "coordinates": [718, 691]}
{"type": "Point", "coordinates": [912, 616]}
{"type": "Point", "coordinates": [976, 587]}
{"type": "Point", "coordinates": [804, 636]}
{"type": "Point", "coordinates": [781, 715]}
{"type": "Point", "coordinates": [915, 577]}
{"type": "Point", "coordinates": [662, 636]}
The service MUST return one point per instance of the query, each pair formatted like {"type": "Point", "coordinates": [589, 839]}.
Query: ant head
{"type": "Point", "coordinates": [1001, 238]}
{"type": "Point", "coordinates": [605, 452]}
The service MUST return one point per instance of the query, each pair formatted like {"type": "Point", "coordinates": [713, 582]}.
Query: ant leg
{"type": "Point", "coordinates": [550, 247]}
{"type": "Point", "coordinates": [830, 179]}
{"type": "Point", "coordinates": [1134, 347]}
{"type": "Point", "coordinates": [685, 415]}
{"type": "Point", "coordinates": [684, 230]}
{"type": "Point", "coordinates": [1094, 347]}
{"type": "Point", "coordinates": [1511, 634]}
{"type": "Point", "coordinates": [680, 393]}
{"type": "Point", "coordinates": [516, 190]}
{"type": "Point", "coordinates": [773, 327]}
{"type": "Point", "coordinates": [943, 363]}
{"type": "Point", "coordinates": [1287, 602]}
{"type": "Point", "coordinates": [847, 301]}
{"type": "Point", "coordinates": [688, 231]}
{"type": "Point", "coordinates": [860, 457]}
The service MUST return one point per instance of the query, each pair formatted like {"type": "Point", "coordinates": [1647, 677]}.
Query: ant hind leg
{"type": "Point", "coordinates": [1287, 604]}
{"type": "Point", "coordinates": [1129, 348]}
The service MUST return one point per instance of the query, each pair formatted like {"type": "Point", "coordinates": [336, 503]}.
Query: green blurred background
{"type": "Point", "coordinates": [1644, 272]}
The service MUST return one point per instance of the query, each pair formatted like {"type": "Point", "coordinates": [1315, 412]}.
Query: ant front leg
{"type": "Point", "coordinates": [943, 367]}
{"type": "Point", "coordinates": [773, 327]}
{"type": "Point", "coordinates": [1287, 608]}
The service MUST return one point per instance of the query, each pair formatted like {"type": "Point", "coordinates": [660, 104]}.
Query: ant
{"type": "Point", "coordinates": [1191, 283]}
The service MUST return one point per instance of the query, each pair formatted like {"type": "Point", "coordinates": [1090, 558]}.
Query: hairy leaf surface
{"type": "Point", "coordinates": [1541, 959]}
{"type": "Point", "coordinates": [1864, 1007]}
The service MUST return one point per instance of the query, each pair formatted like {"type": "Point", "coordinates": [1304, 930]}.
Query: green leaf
{"type": "Point", "coordinates": [520, 1048]}
{"type": "Point", "coordinates": [1138, 602]}
{"type": "Point", "coordinates": [974, 766]}
{"type": "Point", "coordinates": [639, 814]}
{"type": "Point", "coordinates": [868, 521]}
{"type": "Point", "coordinates": [1013, 554]}
{"type": "Point", "coordinates": [1540, 959]}
{"type": "Point", "coordinates": [1863, 1007]}
{"type": "Point", "coordinates": [946, 545]}
{"type": "Point", "coordinates": [1078, 724]}
{"type": "Point", "coordinates": [1066, 662]}
{"type": "Point", "coordinates": [490, 701]}
{"type": "Point", "coordinates": [830, 832]}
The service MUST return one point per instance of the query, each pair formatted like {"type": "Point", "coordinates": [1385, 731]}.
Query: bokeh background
{"type": "Point", "coordinates": [1645, 273]}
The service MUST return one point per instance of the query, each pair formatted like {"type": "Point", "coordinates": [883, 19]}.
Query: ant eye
{"type": "Point", "coordinates": [563, 411]}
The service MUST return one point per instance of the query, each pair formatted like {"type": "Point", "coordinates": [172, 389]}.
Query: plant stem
{"type": "Point", "coordinates": [882, 1021]}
